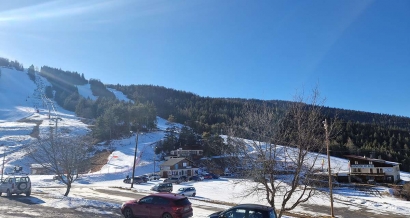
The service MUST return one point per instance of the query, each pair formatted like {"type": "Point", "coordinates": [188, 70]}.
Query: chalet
{"type": "Point", "coordinates": [364, 169]}
{"type": "Point", "coordinates": [177, 167]}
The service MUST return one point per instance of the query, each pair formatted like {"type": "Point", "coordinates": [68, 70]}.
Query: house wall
{"type": "Point", "coordinates": [183, 167]}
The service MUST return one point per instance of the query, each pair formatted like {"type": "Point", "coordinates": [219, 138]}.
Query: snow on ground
{"type": "Point", "coordinates": [20, 98]}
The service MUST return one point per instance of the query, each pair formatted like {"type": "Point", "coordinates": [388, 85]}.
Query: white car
{"type": "Point", "coordinates": [153, 177]}
{"type": "Point", "coordinates": [187, 191]}
{"type": "Point", "coordinates": [16, 185]}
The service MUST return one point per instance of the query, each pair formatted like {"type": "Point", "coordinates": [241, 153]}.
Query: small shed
{"type": "Point", "coordinates": [38, 169]}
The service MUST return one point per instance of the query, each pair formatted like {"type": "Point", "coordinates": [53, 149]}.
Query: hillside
{"type": "Point", "coordinates": [362, 133]}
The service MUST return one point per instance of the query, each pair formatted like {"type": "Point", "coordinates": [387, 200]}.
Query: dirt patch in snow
{"type": "Point", "coordinates": [99, 160]}
{"type": "Point", "coordinates": [36, 130]}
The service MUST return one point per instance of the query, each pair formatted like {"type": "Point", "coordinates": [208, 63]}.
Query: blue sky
{"type": "Point", "coordinates": [358, 52]}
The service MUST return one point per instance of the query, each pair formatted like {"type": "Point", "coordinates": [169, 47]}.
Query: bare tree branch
{"type": "Point", "coordinates": [65, 157]}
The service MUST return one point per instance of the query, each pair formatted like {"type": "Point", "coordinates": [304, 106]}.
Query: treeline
{"type": "Point", "coordinates": [187, 138]}
{"type": "Point", "coordinates": [64, 84]}
{"type": "Point", "coordinates": [361, 133]}
{"type": "Point", "coordinates": [118, 118]}
{"type": "Point", "coordinates": [203, 114]}
{"type": "Point", "coordinates": [373, 140]}
{"type": "Point", "coordinates": [4, 62]}
{"type": "Point", "coordinates": [99, 89]}
{"type": "Point", "coordinates": [113, 118]}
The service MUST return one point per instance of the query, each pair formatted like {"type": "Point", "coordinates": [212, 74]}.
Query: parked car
{"type": "Point", "coordinates": [228, 175]}
{"type": "Point", "coordinates": [207, 176]}
{"type": "Point", "coordinates": [164, 205]}
{"type": "Point", "coordinates": [183, 178]}
{"type": "Point", "coordinates": [214, 176]}
{"type": "Point", "coordinates": [246, 210]}
{"type": "Point", "coordinates": [187, 191]}
{"type": "Point", "coordinates": [144, 178]}
{"type": "Point", "coordinates": [16, 185]}
{"type": "Point", "coordinates": [153, 176]}
{"type": "Point", "coordinates": [173, 180]}
{"type": "Point", "coordinates": [371, 182]}
{"type": "Point", "coordinates": [163, 187]}
{"type": "Point", "coordinates": [137, 180]}
{"type": "Point", "coordinates": [195, 178]}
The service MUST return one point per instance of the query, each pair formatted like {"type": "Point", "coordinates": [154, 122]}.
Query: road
{"type": "Point", "coordinates": [22, 206]}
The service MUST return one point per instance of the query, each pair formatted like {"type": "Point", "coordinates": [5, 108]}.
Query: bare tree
{"type": "Point", "coordinates": [63, 156]}
{"type": "Point", "coordinates": [281, 175]}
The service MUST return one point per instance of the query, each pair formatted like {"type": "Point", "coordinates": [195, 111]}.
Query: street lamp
{"type": "Point", "coordinates": [135, 158]}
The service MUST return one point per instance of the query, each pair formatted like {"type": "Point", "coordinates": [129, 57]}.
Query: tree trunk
{"type": "Point", "coordinates": [68, 188]}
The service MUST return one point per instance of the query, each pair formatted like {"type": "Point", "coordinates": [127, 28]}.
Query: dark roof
{"type": "Point", "coordinates": [254, 206]}
{"type": "Point", "coordinates": [371, 159]}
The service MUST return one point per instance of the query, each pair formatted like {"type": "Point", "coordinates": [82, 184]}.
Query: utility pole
{"type": "Point", "coordinates": [4, 158]}
{"type": "Point", "coordinates": [329, 170]}
{"type": "Point", "coordinates": [135, 159]}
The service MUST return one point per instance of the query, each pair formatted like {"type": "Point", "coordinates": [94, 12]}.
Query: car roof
{"type": "Point", "coordinates": [169, 196]}
{"type": "Point", "coordinates": [253, 206]}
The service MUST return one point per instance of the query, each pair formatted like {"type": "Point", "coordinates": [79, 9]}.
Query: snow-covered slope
{"type": "Point", "coordinates": [16, 95]}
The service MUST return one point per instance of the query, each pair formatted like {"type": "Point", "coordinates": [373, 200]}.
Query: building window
{"type": "Point", "coordinates": [356, 162]}
{"type": "Point", "coordinates": [359, 170]}
{"type": "Point", "coordinates": [371, 170]}
{"type": "Point", "coordinates": [381, 170]}
{"type": "Point", "coordinates": [370, 162]}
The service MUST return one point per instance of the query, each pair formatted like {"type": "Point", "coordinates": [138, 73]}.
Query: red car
{"type": "Point", "coordinates": [160, 205]}
{"type": "Point", "coordinates": [207, 176]}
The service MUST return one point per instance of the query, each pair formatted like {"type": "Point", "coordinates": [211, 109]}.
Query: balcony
{"type": "Point", "coordinates": [366, 174]}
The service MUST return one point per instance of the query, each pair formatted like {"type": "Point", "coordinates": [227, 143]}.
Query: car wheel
{"type": "Point", "coordinates": [193, 195]}
{"type": "Point", "coordinates": [128, 213]}
{"type": "Point", "coordinates": [28, 193]}
{"type": "Point", "coordinates": [8, 193]}
{"type": "Point", "coordinates": [166, 215]}
{"type": "Point", "coordinates": [0, 193]}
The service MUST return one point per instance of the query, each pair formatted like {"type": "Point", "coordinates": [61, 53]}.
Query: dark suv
{"type": "Point", "coordinates": [176, 180]}
{"type": "Point", "coordinates": [137, 180]}
{"type": "Point", "coordinates": [164, 205]}
{"type": "Point", "coordinates": [246, 210]}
